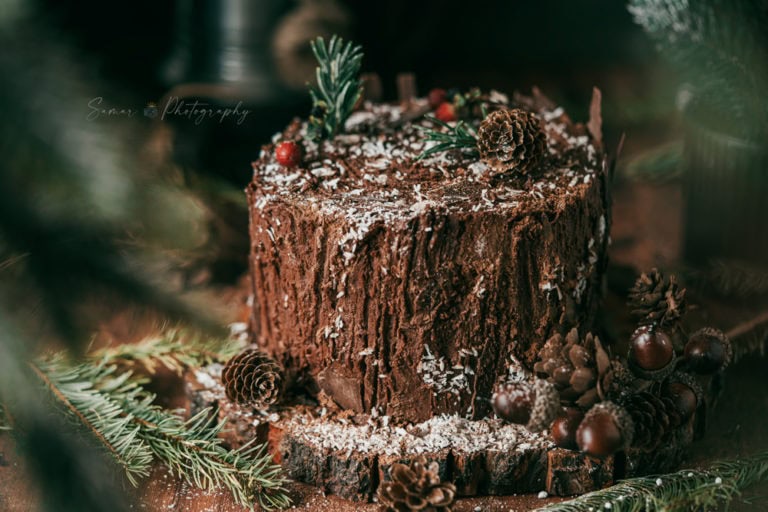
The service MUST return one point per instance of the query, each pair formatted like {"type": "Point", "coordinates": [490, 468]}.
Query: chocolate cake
{"type": "Point", "coordinates": [406, 287]}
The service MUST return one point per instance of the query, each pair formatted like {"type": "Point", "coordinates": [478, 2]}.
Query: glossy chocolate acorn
{"type": "Point", "coordinates": [605, 430]}
{"type": "Point", "coordinates": [708, 351]}
{"type": "Point", "coordinates": [563, 429]}
{"type": "Point", "coordinates": [651, 353]}
{"type": "Point", "coordinates": [533, 404]}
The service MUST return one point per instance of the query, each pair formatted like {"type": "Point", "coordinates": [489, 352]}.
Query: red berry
{"type": "Point", "coordinates": [288, 153]}
{"type": "Point", "coordinates": [436, 97]}
{"type": "Point", "coordinates": [446, 112]}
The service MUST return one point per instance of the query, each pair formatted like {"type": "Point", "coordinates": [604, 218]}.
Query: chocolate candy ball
{"type": "Point", "coordinates": [651, 349]}
{"type": "Point", "coordinates": [707, 351]}
{"type": "Point", "coordinates": [513, 402]}
{"type": "Point", "coordinates": [564, 429]}
{"type": "Point", "coordinates": [599, 435]}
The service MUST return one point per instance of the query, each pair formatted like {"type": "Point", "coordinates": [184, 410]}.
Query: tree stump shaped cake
{"type": "Point", "coordinates": [425, 274]}
{"type": "Point", "coordinates": [410, 285]}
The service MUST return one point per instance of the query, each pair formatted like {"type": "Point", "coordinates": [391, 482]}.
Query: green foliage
{"type": "Point", "coordinates": [5, 423]}
{"type": "Point", "coordinates": [338, 85]}
{"type": "Point", "coordinates": [684, 490]}
{"type": "Point", "coordinates": [720, 48]}
{"type": "Point", "coordinates": [657, 165]}
{"type": "Point", "coordinates": [122, 416]}
{"type": "Point", "coordinates": [175, 348]}
{"type": "Point", "coordinates": [460, 136]}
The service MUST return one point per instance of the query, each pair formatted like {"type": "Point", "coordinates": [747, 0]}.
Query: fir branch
{"type": "Point", "coordinates": [176, 349]}
{"type": "Point", "coordinates": [658, 165]}
{"type": "Point", "coordinates": [700, 489]}
{"type": "Point", "coordinates": [736, 278]}
{"type": "Point", "coordinates": [122, 416]}
{"type": "Point", "coordinates": [74, 389]}
{"type": "Point", "coordinates": [719, 47]}
{"type": "Point", "coordinates": [338, 85]}
{"type": "Point", "coordinates": [460, 136]}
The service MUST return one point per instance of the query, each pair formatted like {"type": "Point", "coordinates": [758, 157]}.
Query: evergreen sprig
{"type": "Point", "coordinates": [683, 490]}
{"type": "Point", "coordinates": [459, 136]}
{"type": "Point", "coordinates": [338, 85]}
{"type": "Point", "coordinates": [175, 348]}
{"type": "Point", "coordinates": [122, 416]}
{"type": "Point", "coordinates": [720, 48]}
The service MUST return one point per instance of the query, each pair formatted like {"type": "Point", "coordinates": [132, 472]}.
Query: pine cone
{"type": "Point", "coordinates": [654, 418]}
{"type": "Point", "coordinates": [656, 299]}
{"type": "Point", "coordinates": [511, 139]}
{"type": "Point", "coordinates": [581, 370]}
{"type": "Point", "coordinates": [416, 487]}
{"type": "Point", "coordinates": [253, 378]}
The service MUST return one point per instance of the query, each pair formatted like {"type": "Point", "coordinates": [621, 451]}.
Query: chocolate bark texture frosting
{"type": "Point", "coordinates": [409, 286]}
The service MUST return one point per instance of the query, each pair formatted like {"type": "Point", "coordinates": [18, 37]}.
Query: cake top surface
{"type": "Point", "coordinates": [376, 162]}
{"type": "Point", "coordinates": [372, 171]}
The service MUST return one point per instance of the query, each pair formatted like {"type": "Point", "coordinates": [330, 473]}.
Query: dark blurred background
{"type": "Point", "coordinates": [564, 47]}
{"type": "Point", "coordinates": [257, 52]}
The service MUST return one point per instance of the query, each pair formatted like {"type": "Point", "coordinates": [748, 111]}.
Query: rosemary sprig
{"type": "Point", "coordinates": [684, 490]}
{"type": "Point", "coordinates": [122, 416]}
{"type": "Point", "coordinates": [460, 136]}
{"type": "Point", "coordinates": [338, 85]}
{"type": "Point", "coordinates": [176, 348]}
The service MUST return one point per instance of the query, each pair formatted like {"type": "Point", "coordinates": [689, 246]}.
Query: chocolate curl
{"type": "Point", "coordinates": [372, 90]}
{"type": "Point", "coordinates": [406, 88]}
{"type": "Point", "coordinates": [595, 124]}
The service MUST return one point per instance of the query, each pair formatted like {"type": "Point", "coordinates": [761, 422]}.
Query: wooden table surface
{"type": "Point", "coordinates": [646, 233]}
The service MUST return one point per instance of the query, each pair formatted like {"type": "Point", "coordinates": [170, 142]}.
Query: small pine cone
{"type": "Point", "coordinates": [253, 378]}
{"type": "Point", "coordinates": [654, 419]}
{"type": "Point", "coordinates": [511, 139]}
{"type": "Point", "coordinates": [656, 299]}
{"type": "Point", "coordinates": [416, 487]}
{"type": "Point", "coordinates": [582, 370]}
{"type": "Point", "coordinates": [616, 382]}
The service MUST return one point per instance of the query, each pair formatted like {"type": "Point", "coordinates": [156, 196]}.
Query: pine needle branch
{"type": "Point", "coordinates": [122, 416]}
{"type": "Point", "coordinates": [103, 417]}
{"type": "Point", "coordinates": [719, 47]}
{"type": "Point", "coordinates": [460, 136]}
{"type": "Point", "coordinates": [684, 490]}
{"type": "Point", "coordinates": [176, 349]}
{"type": "Point", "coordinates": [338, 85]}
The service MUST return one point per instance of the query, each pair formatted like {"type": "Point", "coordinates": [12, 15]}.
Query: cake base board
{"type": "Point", "coordinates": [349, 455]}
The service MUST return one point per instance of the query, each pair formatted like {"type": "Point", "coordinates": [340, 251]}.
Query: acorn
{"type": "Point", "coordinates": [605, 430]}
{"type": "Point", "coordinates": [651, 353]}
{"type": "Point", "coordinates": [563, 429]}
{"type": "Point", "coordinates": [684, 393]}
{"type": "Point", "coordinates": [708, 351]}
{"type": "Point", "coordinates": [533, 404]}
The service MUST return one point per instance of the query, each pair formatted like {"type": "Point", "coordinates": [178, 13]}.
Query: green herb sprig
{"type": "Point", "coordinates": [460, 136]}
{"type": "Point", "coordinates": [338, 85]}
